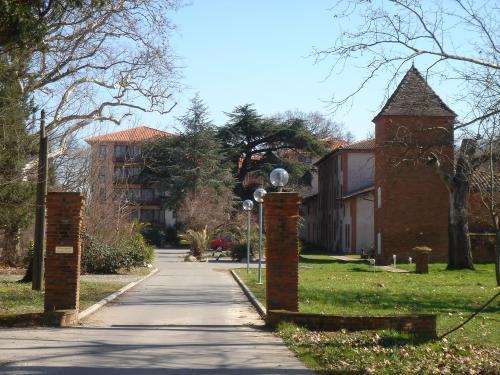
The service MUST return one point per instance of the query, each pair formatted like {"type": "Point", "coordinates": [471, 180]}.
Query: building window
{"type": "Point", "coordinates": [348, 236]}
{"type": "Point", "coordinates": [147, 194]}
{"type": "Point", "coordinates": [134, 215]}
{"type": "Point", "coordinates": [379, 243]}
{"type": "Point", "coordinates": [147, 215]}
{"type": "Point", "coordinates": [119, 172]}
{"type": "Point", "coordinates": [133, 194]}
{"type": "Point", "coordinates": [120, 151]}
{"type": "Point", "coordinates": [379, 197]}
{"type": "Point", "coordinates": [133, 151]}
{"type": "Point", "coordinates": [103, 149]}
{"type": "Point", "coordinates": [133, 171]}
{"type": "Point", "coordinates": [102, 172]}
{"type": "Point", "coordinates": [150, 215]}
{"type": "Point", "coordinates": [127, 171]}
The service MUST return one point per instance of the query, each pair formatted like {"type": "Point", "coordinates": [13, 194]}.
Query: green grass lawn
{"type": "Point", "coordinates": [18, 298]}
{"type": "Point", "coordinates": [333, 287]}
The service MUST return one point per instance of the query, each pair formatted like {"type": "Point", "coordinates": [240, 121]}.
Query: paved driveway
{"type": "Point", "coordinates": [190, 318]}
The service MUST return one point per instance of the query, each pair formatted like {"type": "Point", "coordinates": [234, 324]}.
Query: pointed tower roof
{"type": "Point", "coordinates": [414, 97]}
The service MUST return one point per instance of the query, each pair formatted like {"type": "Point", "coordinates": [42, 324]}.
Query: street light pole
{"type": "Point", "coordinates": [260, 243]}
{"type": "Point", "coordinates": [248, 242]}
{"type": "Point", "coordinates": [247, 206]}
{"type": "Point", "coordinates": [258, 195]}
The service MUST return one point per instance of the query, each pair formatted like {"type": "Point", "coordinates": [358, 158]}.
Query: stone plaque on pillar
{"type": "Point", "coordinates": [64, 249]}
{"type": "Point", "coordinates": [281, 212]}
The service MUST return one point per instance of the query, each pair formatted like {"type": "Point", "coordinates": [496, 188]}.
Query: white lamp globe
{"type": "Point", "coordinates": [247, 205]}
{"type": "Point", "coordinates": [258, 195]}
{"type": "Point", "coordinates": [279, 177]}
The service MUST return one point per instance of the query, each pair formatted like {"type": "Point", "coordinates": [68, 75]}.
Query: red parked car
{"type": "Point", "coordinates": [223, 244]}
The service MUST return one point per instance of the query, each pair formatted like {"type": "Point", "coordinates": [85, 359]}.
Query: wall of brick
{"type": "Point", "coordinates": [414, 200]}
{"type": "Point", "coordinates": [62, 272]}
{"type": "Point", "coordinates": [281, 212]}
{"type": "Point", "coordinates": [422, 325]}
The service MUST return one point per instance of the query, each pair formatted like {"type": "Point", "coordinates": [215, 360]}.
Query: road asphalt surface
{"type": "Point", "coordinates": [189, 318]}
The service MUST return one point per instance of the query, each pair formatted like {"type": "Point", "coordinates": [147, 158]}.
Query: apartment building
{"type": "Point", "coordinates": [117, 163]}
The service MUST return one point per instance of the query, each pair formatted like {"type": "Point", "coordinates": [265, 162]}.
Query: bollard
{"type": "Point", "coordinates": [422, 258]}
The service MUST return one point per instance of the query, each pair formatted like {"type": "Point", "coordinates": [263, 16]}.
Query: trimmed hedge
{"type": "Point", "coordinates": [99, 257]}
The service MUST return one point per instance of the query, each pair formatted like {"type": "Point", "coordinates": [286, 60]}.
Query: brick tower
{"type": "Point", "coordinates": [411, 202]}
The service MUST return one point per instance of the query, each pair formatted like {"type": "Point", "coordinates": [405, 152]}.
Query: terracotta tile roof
{"type": "Point", "coordinates": [355, 193]}
{"type": "Point", "coordinates": [481, 181]}
{"type": "Point", "coordinates": [334, 143]}
{"type": "Point", "coordinates": [414, 97]}
{"type": "Point", "coordinates": [367, 144]}
{"type": "Point", "coordinates": [139, 134]}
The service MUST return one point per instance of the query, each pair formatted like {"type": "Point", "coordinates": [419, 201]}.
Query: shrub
{"type": "Point", "coordinates": [154, 236]}
{"type": "Point", "coordinates": [99, 257]}
{"type": "Point", "coordinates": [197, 240]}
{"type": "Point", "coordinates": [239, 252]}
{"type": "Point", "coordinates": [171, 235]}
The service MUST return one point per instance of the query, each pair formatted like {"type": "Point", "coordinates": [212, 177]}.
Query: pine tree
{"type": "Point", "coordinates": [256, 144]}
{"type": "Point", "coordinates": [16, 147]}
{"type": "Point", "coordinates": [190, 161]}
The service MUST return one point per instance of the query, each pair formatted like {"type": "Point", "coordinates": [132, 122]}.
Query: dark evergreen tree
{"type": "Point", "coordinates": [257, 144]}
{"type": "Point", "coordinates": [17, 146]}
{"type": "Point", "coordinates": [191, 160]}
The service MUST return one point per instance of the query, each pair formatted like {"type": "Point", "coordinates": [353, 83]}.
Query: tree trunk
{"type": "Point", "coordinates": [28, 276]}
{"type": "Point", "coordinates": [497, 254]}
{"type": "Point", "coordinates": [459, 247]}
{"type": "Point", "coordinates": [10, 246]}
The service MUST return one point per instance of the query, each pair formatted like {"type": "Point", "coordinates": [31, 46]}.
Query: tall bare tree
{"type": "Point", "coordinates": [101, 63]}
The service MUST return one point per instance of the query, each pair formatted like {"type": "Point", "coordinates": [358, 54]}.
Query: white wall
{"type": "Point", "coordinates": [169, 218]}
{"type": "Point", "coordinates": [346, 222]}
{"type": "Point", "coordinates": [360, 167]}
{"type": "Point", "coordinates": [364, 222]}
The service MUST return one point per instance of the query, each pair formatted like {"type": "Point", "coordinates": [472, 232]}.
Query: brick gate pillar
{"type": "Point", "coordinates": [64, 249]}
{"type": "Point", "coordinates": [281, 212]}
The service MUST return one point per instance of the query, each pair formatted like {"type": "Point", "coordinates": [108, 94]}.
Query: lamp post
{"type": "Point", "coordinates": [279, 178]}
{"type": "Point", "coordinates": [248, 206]}
{"type": "Point", "coordinates": [258, 195]}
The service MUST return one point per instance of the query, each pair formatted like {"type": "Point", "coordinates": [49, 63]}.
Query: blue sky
{"type": "Point", "coordinates": [238, 52]}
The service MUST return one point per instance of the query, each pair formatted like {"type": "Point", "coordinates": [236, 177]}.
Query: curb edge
{"type": "Point", "coordinates": [92, 309]}
{"type": "Point", "coordinates": [251, 297]}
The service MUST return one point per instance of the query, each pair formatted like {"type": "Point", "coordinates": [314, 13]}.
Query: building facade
{"type": "Point", "coordinates": [344, 214]}
{"type": "Point", "coordinates": [378, 196]}
{"type": "Point", "coordinates": [116, 166]}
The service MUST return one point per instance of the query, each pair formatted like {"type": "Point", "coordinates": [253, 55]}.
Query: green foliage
{"type": "Point", "coordinates": [190, 161]}
{"type": "Point", "coordinates": [258, 145]}
{"type": "Point", "coordinates": [16, 148]}
{"type": "Point", "coordinates": [197, 240]}
{"type": "Point", "coordinates": [240, 251]}
{"type": "Point", "coordinates": [23, 24]}
{"type": "Point", "coordinates": [99, 257]}
{"type": "Point", "coordinates": [154, 236]}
